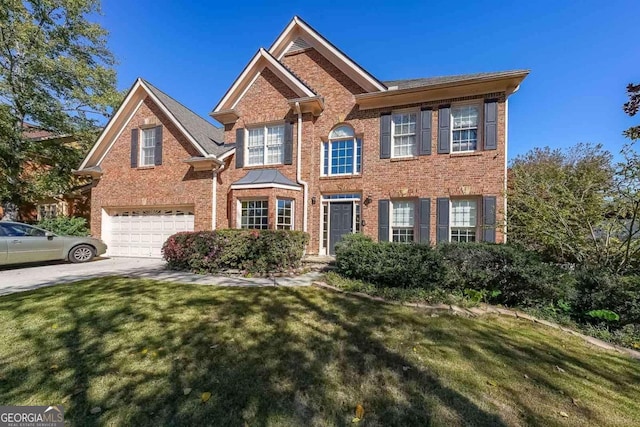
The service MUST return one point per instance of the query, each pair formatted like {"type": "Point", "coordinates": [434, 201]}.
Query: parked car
{"type": "Point", "coordinates": [21, 243]}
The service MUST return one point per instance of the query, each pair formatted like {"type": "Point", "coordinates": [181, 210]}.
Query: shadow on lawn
{"type": "Point", "coordinates": [268, 356]}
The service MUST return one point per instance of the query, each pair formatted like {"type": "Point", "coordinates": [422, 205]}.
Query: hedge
{"type": "Point", "coordinates": [255, 251]}
{"type": "Point", "coordinates": [65, 226]}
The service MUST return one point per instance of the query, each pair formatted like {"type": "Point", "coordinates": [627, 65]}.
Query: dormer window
{"type": "Point", "coordinates": [265, 145]}
{"type": "Point", "coordinates": [342, 154]}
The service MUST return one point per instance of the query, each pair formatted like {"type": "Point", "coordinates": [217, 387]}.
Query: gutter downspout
{"type": "Point", "coordinates": [305, 186]}
{"type": "Point", "coordinates": [214, 189]}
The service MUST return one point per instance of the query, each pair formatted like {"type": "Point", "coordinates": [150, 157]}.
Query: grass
{"type": "Point", "coordinates": [303, 356]}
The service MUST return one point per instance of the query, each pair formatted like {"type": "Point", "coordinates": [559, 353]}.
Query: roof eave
{"type": "Point", "coordinates": [507, 83]}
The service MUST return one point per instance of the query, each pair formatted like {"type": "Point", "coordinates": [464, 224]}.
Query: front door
{"type": "Point", "coordinates": [341, 222]}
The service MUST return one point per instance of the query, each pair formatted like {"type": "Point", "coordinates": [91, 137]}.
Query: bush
{"type": "Point", "coordinates": [389, 264]}
{"type": "Point", "coordinates": [65, 226]}
{"type": "Point", "coordinates": [518, 277]}
{"type": "Point", "coordinates": [255, 251]}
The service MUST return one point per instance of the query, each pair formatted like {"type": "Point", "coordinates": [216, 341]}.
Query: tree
{"type": "Point", "coordinates": [559, 202]}
{"type": "Point", "coordinates": [631, 107]}
{"type": "Point", "coordinates": [55, 72]}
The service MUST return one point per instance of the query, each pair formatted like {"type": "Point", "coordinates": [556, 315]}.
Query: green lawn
{"type": "Point", "coordinates": [281, 356]}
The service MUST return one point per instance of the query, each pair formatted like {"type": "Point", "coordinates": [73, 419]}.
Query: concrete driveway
{"type": "Point", "coordinates": [26, 277]}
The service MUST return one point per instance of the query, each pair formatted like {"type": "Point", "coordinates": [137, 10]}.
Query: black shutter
{"type": "Point", "coordinates": [442, 219]}
{"type": "Point", "coordinates": [424, 218]}
{"type": "Point", "coordinates": [385, 135]}
{"type": "Point", "coordinates": [444, 131]}
{"type": "Point", "coordinates": [424, 133]}
{"type": "Point", "coordinates": [490, 124]}
{"type": "Point", "coordinates": [489, 219]}
{"type": "Point", "coordinates": [157, 152]}
{"type": "Point", "coordinates": [134, 148]}
{"type": "Point", "coordinates": [383, 220]}
{"type": "Point", "coordinates": [239, 148]}
{"type": "Point", "coordinates": [288, 143]}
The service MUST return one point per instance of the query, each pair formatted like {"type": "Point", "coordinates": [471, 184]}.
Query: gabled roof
{"type": "Point", "coordinates": [297, 28]}
{"type": "Point", "coordinates": [434, 81]}
{"type": "Point", "coordinates": [204, 136]}
{"type": "Point", "coordinates": [260, 60]}
{"type": "Point", "coordinates": [265, 178]}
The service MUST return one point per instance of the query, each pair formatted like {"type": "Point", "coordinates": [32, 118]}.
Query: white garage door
{"type": "Point", "coordinates": [142, 232]}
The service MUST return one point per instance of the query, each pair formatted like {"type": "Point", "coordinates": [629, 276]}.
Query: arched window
{"type": "Point", "coordinates": [342, 154]}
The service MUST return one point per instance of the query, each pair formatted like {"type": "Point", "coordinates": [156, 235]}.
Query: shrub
{"type": "Point", "coordinates": [65, 226]}
{"type": "Point", "coordinates": [256, 251]}
{"type": "Point", "coordinates": [389, 264]}
{"type": "Point", "coordinates": [511, 275]}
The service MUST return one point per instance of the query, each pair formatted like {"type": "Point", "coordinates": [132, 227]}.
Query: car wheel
{"type": "Point", "coordinates": [81, 253]}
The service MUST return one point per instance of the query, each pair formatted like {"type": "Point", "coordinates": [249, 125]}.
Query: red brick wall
{"type": "Point", "coordinates": [438, 175]}
{"type": "Point", "coordinates": [174, 183]}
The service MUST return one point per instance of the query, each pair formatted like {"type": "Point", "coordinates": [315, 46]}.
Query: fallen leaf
{"type": "Point", "coordinates": [564, 414]}
{"type": "Point", "coordinates": [214, 346]}
{"type": "Point", "coordinates": [55, 326]}
{"type": "Point", "coordinates": [526, 376]}
{"type": "Point", "coordinates": [493, 383]}
{"type": "Point", "coordinates": [205, 396]}
{"type": "Point", "coordinates": [405, 368]}
{"type": "Point", "coordinates": [186, 391]}
{"type": "Point", "coordinates": [415, 349]}
{"type": "Point", "coordinates": [559, 369]}
{"type": "Point", "coordinates": [54, 367]}
{"type": "Point", "coordinates": [144, 351]}
{"type": "Point", "coordinates": [154, 354]}
{"type": "Point", "coordinates": [95, 410]}
{"type": "Point", "coordinates": [355, 420]}
{"type": "Point", "coordinates": [359, 411]}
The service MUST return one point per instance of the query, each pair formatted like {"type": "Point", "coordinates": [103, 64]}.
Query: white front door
{"type": "Point", "coordinates": [137, 232]}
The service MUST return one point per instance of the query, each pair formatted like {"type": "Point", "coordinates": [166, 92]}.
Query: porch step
{"type": "Point", "coordinates": [319, 262]}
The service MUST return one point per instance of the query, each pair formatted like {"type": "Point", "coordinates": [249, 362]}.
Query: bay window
{"type": "Point", "coordinates": [254, 214]}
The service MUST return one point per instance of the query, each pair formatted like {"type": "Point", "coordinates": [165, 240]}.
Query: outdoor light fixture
{"type": "Point", "coordinates": [368, 200]}
{"type": "Point", "coordinates": [313, 200]}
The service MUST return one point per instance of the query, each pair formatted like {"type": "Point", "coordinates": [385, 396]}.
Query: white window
{"type": "Point", "coordinates": [47, 211]}
{"type": "Point", "coordinates": [402, 221]}
{"type": "Point", "coordinates": [148, 147]}
{"type": "Point", "coordinates": [403, 134]}
{"type": "Point", "coordinates": [284, 220]}
{"type": "Point", "coordinates": [254, 214]}
{"type": "Point", "coordinates": [265, 145]}
{"type": "Point", "coordinates": [464, 128]}
{"type": "Point", "coordinates": [342, 155]}
{"type": "Point", "coordinates": [464, 220]}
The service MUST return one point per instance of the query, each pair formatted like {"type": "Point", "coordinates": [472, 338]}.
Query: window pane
{"type": "Point", "coordinates": [342, 157]}
{"type": "Point", "coordinates": [275, 144]}
{"type": "Point", "coordinates": [465, 128]}
{"type": "Point", "coordinates": [255, 146]}
{"type": "Point", "coordinates": [325, 149]}
{"type": "Point", "coordinates": [341, 132]}
{"type": "Point", "coordinates": [285, 216]}
{"type": "Point", "coordinates": [147, 151]}
{"type": "Point", "coordinates": [358, 155]}
{"type": "Point", "coordinates": [402, 235]}
{"type": "Point", "coordinates": [402, 214]}
{"type": "Point", "coordinates": [463, 235]}
{"type": "Point", "coordinates": [463, 213]}
{"type": "Point", "coordinates": [254, 214]}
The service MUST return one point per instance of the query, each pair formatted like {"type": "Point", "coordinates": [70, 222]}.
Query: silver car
{"type": "Point", "coordinates": [20, 243]}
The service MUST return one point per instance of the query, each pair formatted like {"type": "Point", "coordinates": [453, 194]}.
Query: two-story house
{"type": "Point", "coordinates": [311, 141]}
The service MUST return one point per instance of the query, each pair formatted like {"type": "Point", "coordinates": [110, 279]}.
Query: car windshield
{"type": "Point", "coordinates": [20, 230]}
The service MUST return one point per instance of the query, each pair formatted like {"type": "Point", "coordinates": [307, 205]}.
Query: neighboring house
{"type": "Point", "coordinates": [313, 142]}
{"type": "Point", "coordinates": [74, 202]}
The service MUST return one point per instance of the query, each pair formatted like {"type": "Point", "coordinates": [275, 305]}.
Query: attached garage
{"type": "Point", "coordinates": [137, 232]}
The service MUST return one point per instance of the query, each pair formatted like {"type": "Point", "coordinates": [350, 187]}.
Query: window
{"type": "Point", "coordinates": [285, 215]}
{"type": "Point", "coordinates": [47, 211]}
{"type": "Point", "coordinates": [254, 214]}
{"type": "Point", "coordinates": [148, 147]}
{"type": "Point", "coordinates": [463, 220]}
{"type": "Point", "coordinates": [464, 129]}
{"type": "Point", "coordinates": [342, 155]}
{"type": "Point", "coordinates": [21, 230]}
{"type": "Point", "coordinates": [402, 217]}
{"type": "Point", "coordinates": [403, 131]}
{"type": "Point", "coordinates": [265, 145]}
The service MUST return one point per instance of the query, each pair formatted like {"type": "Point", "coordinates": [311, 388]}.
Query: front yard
{"type": "Point", "coordinates": [145, 352]}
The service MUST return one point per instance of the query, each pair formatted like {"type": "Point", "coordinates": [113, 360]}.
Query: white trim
{"type": "Point", "coordinates": [477, 226]}
{"type": "Point", "coordinates": [415, 135]}
{"type": "Point", "coordinates": [141, 147]}
{"type": "Point", "coordinates": [299, 180]}
{"type": "Point", "coordinates": [265, 154]}
{"type": "Point", "coordinates": [239, 211]}
{"type": "Point", "coordinates": [320, 41]}
{"type": "Point", "coordinates": [266, 185]}
{"type": "Point", "coordinates": [355, 157]}
{"type": "Point", "coordinates": [253, 80]}
{"type": "Point", "coordinates": [293, 212]}
{"type": "Point", "coordinates": [506, 139]}
{"type": "Point", "coordinates": [275, 66]}
{"type": "Point", "coordinates": [111, 123]}
{"type": "Point", "coordinates": [122, 128]}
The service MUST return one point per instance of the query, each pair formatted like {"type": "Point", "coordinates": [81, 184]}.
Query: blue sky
{"type": "Point", "coordinates": [581, 54]}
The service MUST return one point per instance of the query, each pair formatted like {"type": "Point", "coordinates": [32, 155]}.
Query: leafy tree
{"type": "Point", "coordinates": [631, 107]}
{"type": "Point", "coordinates": [55, 72]}
{"type": "Point", "coordinates": [559, 202]}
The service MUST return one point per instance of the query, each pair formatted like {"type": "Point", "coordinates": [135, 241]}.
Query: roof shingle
{"type": "Point", "coordinates": [433, 81]}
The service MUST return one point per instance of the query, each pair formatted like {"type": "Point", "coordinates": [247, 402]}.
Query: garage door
{"type": "Point", "coordinates": [142, 232]}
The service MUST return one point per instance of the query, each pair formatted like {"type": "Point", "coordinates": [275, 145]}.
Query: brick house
{"type": "Point", "coordinates": [310, 141]}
